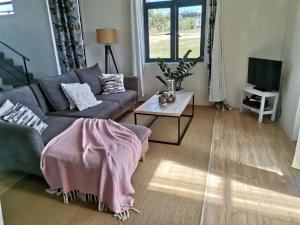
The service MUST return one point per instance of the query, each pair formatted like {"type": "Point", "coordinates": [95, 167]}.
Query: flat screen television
{"type": "Point", "coordinates": [264, 74]}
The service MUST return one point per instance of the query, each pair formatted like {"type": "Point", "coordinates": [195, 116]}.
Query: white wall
{"type": "Point", "coordinates": [252, 28]}
{"type": "Point", "coordinates": [107, 14]}
{"type": "Point", "coordinates": [290, 121]}
{"type": "Point", "coordinates": [116, 14]}
{"type": "Point", "coordinates": [28, 31]}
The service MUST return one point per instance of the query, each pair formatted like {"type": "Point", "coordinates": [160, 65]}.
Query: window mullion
{"type": "Point", "coordinates": [176, 31]}
{"type": "Point", "coordinates": [173, 32]}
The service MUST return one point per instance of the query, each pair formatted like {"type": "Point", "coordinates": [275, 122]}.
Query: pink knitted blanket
{"type": "Point", "coordinates": [93, 160]}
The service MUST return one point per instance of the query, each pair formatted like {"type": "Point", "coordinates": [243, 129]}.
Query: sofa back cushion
{"type": "Point", "coordinates": [52, 89]}
{"type": "Point", "coordinates": [91, 77]}
{"type": "Point", "coordinates": [41, 98]}
{"type": "Point", "coordinates": [24, 96]}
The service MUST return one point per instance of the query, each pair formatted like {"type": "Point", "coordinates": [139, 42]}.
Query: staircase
{"type": "Point", "coordinates": [12, 75]}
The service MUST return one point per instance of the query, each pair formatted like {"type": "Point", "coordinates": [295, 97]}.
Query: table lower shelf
{"type": "Point", "coordinates": [266, 112]}
{"type": "Point", "coordinates": [180, 135]}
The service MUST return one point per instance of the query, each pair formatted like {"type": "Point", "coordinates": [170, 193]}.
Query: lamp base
{"type": "Point", "coordinates": [108, 51]}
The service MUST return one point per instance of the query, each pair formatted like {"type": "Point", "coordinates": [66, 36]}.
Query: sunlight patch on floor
{"type": "Point", "coordinates": [174, 178]}
{"type": "Point", "coordinates": [263, 166]}
{"type": "Point", "coordinates": [214, 190]}
{"type": "Point", "coordinates": [260, 199]}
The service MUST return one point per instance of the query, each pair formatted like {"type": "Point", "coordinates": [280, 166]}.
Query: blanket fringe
{"type": "Point", "coordinates": [102, 206]}
{"type": "Point", "coordinates": [125, 214]}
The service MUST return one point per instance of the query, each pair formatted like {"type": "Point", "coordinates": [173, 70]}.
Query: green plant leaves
{"type": "Point", "coordinates": [161, 80]}
{"type": "Point", "coordinates": [182, 71]}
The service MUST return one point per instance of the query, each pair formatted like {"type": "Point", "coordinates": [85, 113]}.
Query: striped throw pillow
{"type": "Point", "coordinates": [22, 115]}
{"type": "Point", "coordinates": [112, 84]}
{"type": "Point", "coordinates": [5, 108]}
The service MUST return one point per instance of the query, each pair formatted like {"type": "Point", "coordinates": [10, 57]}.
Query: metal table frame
{"type": "Point", "coordinates": [180, 135]}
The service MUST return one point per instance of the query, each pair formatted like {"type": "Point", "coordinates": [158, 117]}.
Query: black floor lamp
{"type": "Point", "coordinates": [107, 37]}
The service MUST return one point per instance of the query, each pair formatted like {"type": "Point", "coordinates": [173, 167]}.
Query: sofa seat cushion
{"type": "Point", "coordinates": [56, 125]}
{"type": "Point", "coordinates": [105, 110]}
{"type": "Point", "coordinates": [123, 98]}
{"type": "Point", "coordinates": [141, 132]}
{"type": "Point", "coordinates": [52, 89]}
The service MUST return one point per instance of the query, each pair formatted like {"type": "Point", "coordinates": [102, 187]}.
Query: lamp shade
{"type": "Point", "coordinates": [106, 36]}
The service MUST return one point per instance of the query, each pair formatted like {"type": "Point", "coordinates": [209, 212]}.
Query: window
{"type": "Point", "coordinates": [172, 27]}
{"type": "Point", "coordinates": [6, 7]}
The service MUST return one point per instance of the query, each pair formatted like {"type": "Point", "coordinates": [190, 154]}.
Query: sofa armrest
{"type": "Point", "coordinates": [131, 83]}
{"type": "Point", "coordinates": [20, 148]}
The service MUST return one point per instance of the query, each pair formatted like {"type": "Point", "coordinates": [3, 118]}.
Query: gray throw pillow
{"type": "Point", "coordinates": [22, 115]}
{"type": "Point", "coordinates": [52, 88]}
{"type": "Point", "coordinates": [112, 83]}
{"type": "Point", "coordinates": [90, 76]}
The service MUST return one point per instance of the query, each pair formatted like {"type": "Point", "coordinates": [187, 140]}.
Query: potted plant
{"type": "Point", "coordinates": [182, 71]}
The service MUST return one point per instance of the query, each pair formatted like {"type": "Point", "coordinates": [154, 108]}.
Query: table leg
{"type": "Point", "coordinates": [135, 119]}
{"type": "Point", "coordinates": [242, 102]}
{"type": "Point", "coordinates": [179, 132]}
{"type": "Point", "coordinates": [262, 109]}
{"type": "Point", "coordinates": [274, 109]}
{"type": "Point", "coordinates": [193, 106]}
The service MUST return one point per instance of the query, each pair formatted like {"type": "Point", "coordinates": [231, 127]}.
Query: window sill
{"type": "Point", "coordinates": [169, 63]}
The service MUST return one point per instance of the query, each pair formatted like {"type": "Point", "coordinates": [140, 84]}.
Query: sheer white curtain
{"type": "Point", "coordinates": [1, 218]}
{"type": "Point", "coordinates": [218, 83]}
{"type": "Point", "coordinates": [296, 161]}
{"type": "Point", "coordinates": [138, 47]}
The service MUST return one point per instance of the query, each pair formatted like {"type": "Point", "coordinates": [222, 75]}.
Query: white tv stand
{"type": "Point", "coordinates": [264, 95]}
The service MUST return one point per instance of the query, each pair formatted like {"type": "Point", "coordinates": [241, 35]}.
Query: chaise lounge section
{"type": "Point", "coordinates": [21, 146]}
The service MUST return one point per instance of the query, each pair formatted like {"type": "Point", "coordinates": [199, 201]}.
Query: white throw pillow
{"type": "Point", "coordinates": [81, 95]}
{"type": "Point", "coordinates": [6, 107]}
{"type": "Point", "coordinates": [72, 103]}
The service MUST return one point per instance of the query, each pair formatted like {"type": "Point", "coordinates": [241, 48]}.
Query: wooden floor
{"type": "Point", "coordinates": [250, 180]}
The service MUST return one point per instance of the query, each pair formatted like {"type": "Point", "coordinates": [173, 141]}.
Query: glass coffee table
{"type": "Point", "coordinates": [174, 110]}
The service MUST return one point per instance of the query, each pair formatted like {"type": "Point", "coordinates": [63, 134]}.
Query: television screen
{"type": "Point", "coordinates": [264, 74]}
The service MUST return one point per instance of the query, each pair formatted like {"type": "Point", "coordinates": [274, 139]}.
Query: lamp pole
{"type": "Point", "coordinates": [108, 51]}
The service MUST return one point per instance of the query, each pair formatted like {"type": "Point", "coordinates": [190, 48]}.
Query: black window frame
{"type": "Point", "coordinates": [174, 5]}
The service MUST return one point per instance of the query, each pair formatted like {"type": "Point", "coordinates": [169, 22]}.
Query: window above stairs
{"type": "Point", "coordinates": [6, 7]}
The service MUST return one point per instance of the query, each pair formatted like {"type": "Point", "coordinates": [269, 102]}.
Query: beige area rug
{"type": "Point", "coordinates": [169, 185]}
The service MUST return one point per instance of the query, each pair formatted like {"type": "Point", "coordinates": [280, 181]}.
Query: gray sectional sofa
{"type": "Point", "coordinates": [20, 147]}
